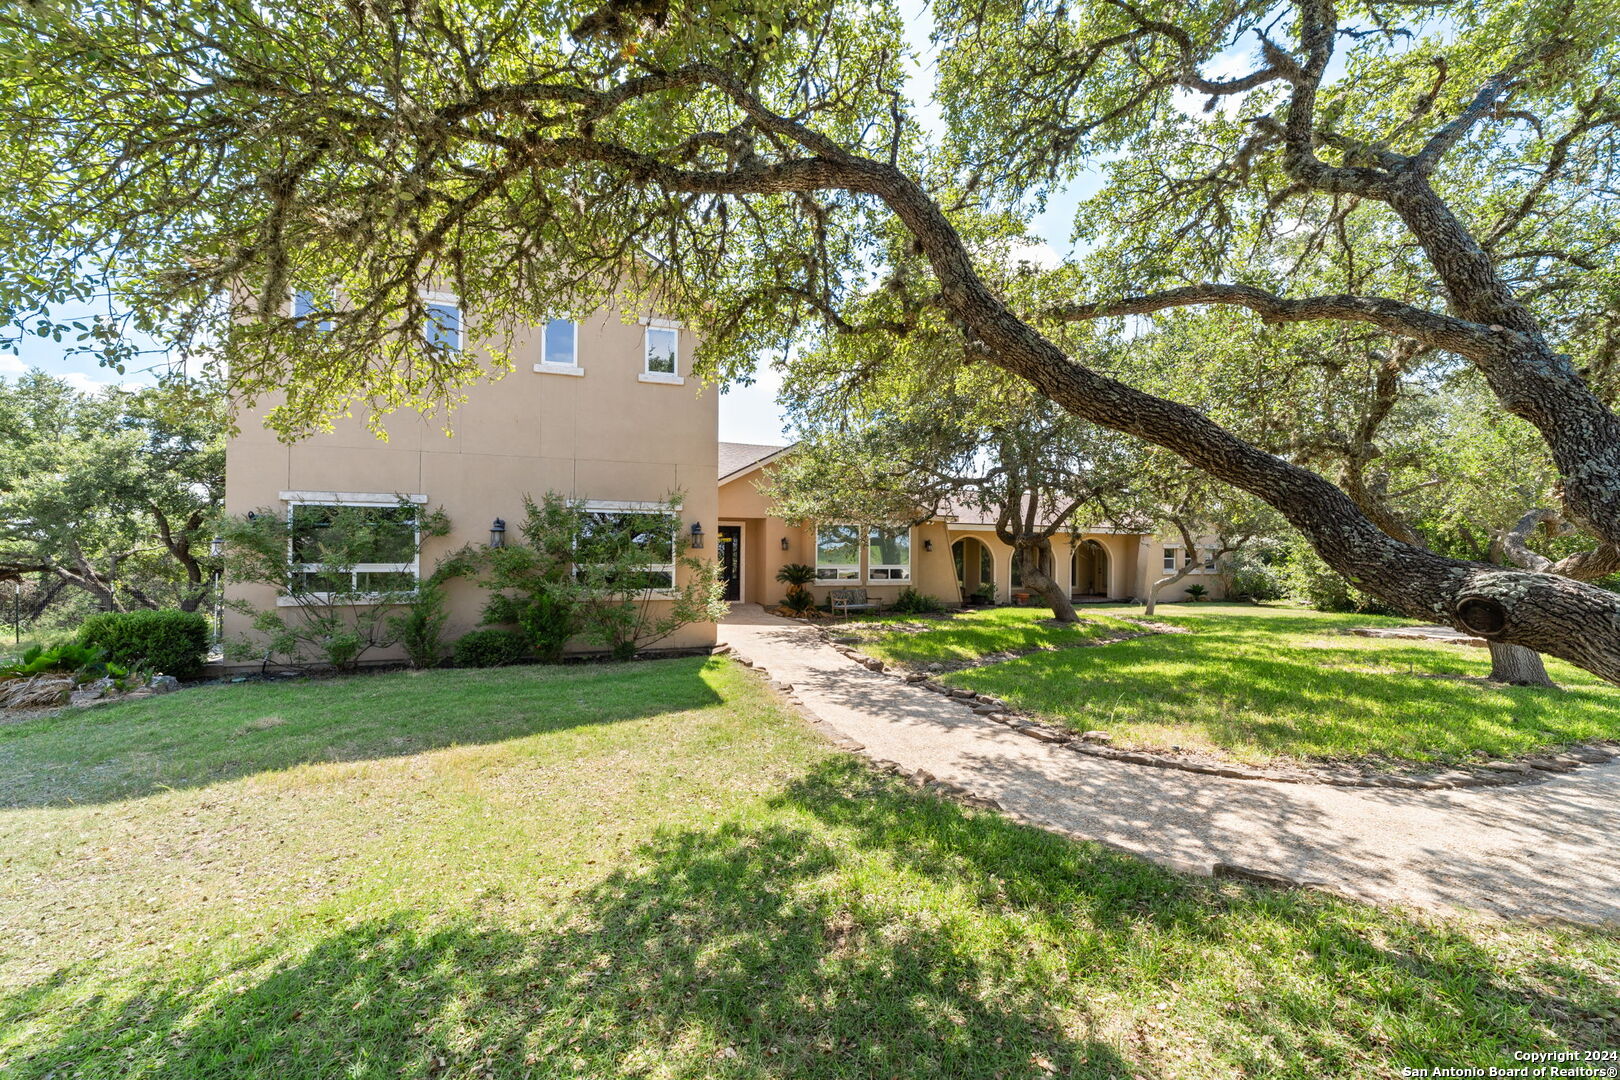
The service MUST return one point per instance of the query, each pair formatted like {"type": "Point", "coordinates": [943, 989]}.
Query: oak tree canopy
{"type": "Point", "coordinates": [1438, 174]}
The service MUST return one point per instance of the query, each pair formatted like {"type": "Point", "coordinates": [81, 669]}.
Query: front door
{"type": "Point", "coordinates": [730, 551]}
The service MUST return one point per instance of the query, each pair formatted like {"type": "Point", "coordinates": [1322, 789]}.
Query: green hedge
{"type": "Point", "coordinates": [165, 642]}
{"type": "Point", "coordinates": [490, 648]}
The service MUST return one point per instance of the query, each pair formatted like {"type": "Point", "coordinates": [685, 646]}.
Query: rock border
{"type": "Point", "coordinates": [1491, 773]}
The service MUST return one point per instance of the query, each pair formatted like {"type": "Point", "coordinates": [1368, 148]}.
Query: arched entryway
{"type": "Point", "coordinates": [1090, 569]}
{"type": "Point", "coordinates": [974, 568]}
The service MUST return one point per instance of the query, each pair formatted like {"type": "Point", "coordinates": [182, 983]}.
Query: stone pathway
{"type": "Point", "coordinates": [1537, 851]}
{"type": "Point", "coordinates": [1446, 634]}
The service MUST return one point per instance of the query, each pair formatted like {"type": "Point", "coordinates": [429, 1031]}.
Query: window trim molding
{"type": "Point", "coordinates": [868, 565]}
{"type": "Point", "coordinates": [352, 498]}
{"type": "Point", "coordinates": [440, 298]}
{"type": "Point", "coordinates": [647, 373]}
{"type": "Point", "coordinates": [859, 565]}
{"type": "Point", "coordinates": [630, 506]}
{"type": "Point", "coordinates": [550, 367]}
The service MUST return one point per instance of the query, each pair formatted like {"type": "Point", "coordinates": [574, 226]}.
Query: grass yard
{"type": "Point", "coordinates": [1261, 683]}
{"type": "Point", "coordinates": [974, 635]}
{"type": "Point", "coordinates": [651, 870]}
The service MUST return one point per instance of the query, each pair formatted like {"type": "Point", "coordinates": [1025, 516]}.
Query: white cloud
{"type": "Point", "coordinates": [1038, 253]}
{"type": "Point", "coordinates": [11, 365]}
{"type": "Point", "coordinates": [87, 384]}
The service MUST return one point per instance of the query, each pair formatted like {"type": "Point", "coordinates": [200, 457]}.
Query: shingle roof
{"type": "Point", "coordinates": [736, 456]}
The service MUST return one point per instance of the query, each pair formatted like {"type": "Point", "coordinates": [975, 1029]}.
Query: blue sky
{"type": "Point", "coordinates": [747, 413]}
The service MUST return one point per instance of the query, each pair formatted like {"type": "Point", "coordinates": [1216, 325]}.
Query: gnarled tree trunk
{"type": "Point", "coordinates": [1029, 557]}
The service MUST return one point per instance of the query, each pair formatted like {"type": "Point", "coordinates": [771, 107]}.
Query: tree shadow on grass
{"type": "Point", "coordinates": [213, 734]}
{"type": "Point", "coordinates": [863, 930]}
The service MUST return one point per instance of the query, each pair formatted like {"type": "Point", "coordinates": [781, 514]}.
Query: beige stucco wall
{"type": "Point", "coordinates": [604, 435]}
{"type": "Point", "coordinates": [1132, 559]}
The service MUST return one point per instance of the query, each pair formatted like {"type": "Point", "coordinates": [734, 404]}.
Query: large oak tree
{"type": "Point", "coordinates": [755, 163]}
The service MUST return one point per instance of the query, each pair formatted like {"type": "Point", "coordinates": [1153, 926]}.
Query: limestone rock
{"type": "Point", "coordinates": [163, 684]}
{"type": "Point", "coordinates": [1096, 737]}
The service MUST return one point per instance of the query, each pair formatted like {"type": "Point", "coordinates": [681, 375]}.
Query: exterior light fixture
{"type": "Point", "coordinates": [785, 545]}
{"type": "Point", "coordinates": [928, 545]}
{"type": "Point", "coordinates": [697, 535]}
{"type": "Point", "coordinates": [253, 515]}
{"type": "Point", "coordinates": [216, 546]}
{"type": "Point", "coordinates": [497, 533]}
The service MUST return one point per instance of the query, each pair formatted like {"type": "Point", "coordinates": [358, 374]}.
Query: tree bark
{"type": "Point", "coordinates": [1518, 666]}
{"type": "Point", "coordinates": [1029, 569]}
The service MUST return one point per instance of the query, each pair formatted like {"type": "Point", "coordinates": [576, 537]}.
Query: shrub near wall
{"type": "Point", "coordinates": [164, 642]}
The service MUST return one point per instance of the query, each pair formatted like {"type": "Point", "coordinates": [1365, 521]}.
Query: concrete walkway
{"type": "Point", "coordinates": [1548, 850]}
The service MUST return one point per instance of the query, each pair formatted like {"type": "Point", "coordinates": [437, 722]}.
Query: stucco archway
{"type": "Point", "coordinates": [1090, 569]}
{"type": "Point", "coordinates": [974, 565]}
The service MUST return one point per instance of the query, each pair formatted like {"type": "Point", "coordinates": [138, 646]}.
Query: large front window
{"type": "Point", "coordinates": [888, 556]}
{"type": "Point", "coordinates": [443, 329]}
{"type": "Point", "coordinates": [353, 550]}
{"type": "Point", "coordinates": [838, 553]}
{"type": "Point", "coordinates": [622, 535]}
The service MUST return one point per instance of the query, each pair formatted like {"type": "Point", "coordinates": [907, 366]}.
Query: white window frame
{"type": "Point", "coordinates": [842, 572]}
{"type": "Point", "coordinates": [1171, 562]}
{"type": "Point", "coordinates": [1208, 565]}
{"type": "Point", "coordinates": [648, 375]}
{"type": "Point", "coordinates": [451, 300]}
{"type": "Point", "coordinates": [548, 367]}
{"type": "Point", "coordinates": [351, 498]}
{"type": "Point", "coordinates": [622, 507]}
{"type": "Point", "coordinates": [866, 546]}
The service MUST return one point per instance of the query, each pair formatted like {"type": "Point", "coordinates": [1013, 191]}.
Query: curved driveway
{"type": "Point", "coordinates": [1544, 850]}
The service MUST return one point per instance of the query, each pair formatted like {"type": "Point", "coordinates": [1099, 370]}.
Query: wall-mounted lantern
{"type": "Point", "coordinates": [497, 533]}
{"type": "Point", "coordinates": [697, 535]}
{"type": "Point", "coordinates": [216, 546]}
{"type": "Point", "coordinates": [785, 545]}
{"type": "Point", "coordinates": [928, 545]}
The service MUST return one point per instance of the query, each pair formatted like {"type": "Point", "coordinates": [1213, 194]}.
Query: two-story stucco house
{"type": "Point", "coordinates": [605, 411]}
{"type": "Point", "coordinates": [602, 410]}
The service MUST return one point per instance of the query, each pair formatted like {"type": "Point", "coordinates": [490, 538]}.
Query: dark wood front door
{"type": "Point", "coordinates": [730, 551]}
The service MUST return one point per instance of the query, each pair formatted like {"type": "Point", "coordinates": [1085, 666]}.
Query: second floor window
{"type": "Point", "coordinates": [1170, 559]}
{"type": "Point", "coordinates": [307, 302]}
{"type": "Point", "coordinates": [560, 345]}
{"type": "Point", "coordinates": [443, 329]}
{"type": "Point", "coordinates": [661, 349]}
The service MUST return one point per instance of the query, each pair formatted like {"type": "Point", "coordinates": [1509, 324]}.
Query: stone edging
{"type": "Point", "coordinates": [1095, 744]}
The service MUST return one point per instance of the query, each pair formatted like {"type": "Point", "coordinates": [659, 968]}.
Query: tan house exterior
{"type": "Point", "coordinates": [607, 428]}
{"type": "Point", "coordinates": [599, 411]}
{"type": "Point", "coordinates": [1095, 564]}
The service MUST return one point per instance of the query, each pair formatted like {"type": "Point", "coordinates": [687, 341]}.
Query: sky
{"type": "Point", "coordinates": [747, 413]}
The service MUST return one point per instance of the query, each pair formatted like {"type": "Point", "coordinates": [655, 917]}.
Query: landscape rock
{"type": "Point", "coordinates": [39, 692]}
{"type": "Point", "coordinates": [165, 684]}
{"type": "Point", "coordinates": [1096, 737]}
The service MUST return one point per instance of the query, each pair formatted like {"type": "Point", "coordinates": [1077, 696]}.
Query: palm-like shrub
{"type": "Point", "coordinates": [796, 575]}
{"type": "Point", "coordinates": [1196, 592]}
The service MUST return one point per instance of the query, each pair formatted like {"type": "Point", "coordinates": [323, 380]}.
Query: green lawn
{"type": "Point", "coordinates": [1259, 683]}
{"type": "Point", "coordinates": [651, 870]}
{"type": "Point", "coordinates": [974, 635]}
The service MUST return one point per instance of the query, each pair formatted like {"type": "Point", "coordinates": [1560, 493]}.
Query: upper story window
{"type": "Point", "coordinates": [443, 329]}
{"type": "Point", "coordinates": [888, 555]}
{"type": "Point", "coordinates": [1170, 559]}
{"type": "Point", "coordinates": [838, 553]}
{"type": "Point", "coordinates": [307, 302]}
{"type": "Point", "coordinates": [559, 345]}
{"type": "Point", "coordinates": [662, 353]}
{"type": "Point", "coordinates": [1209, 558]}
